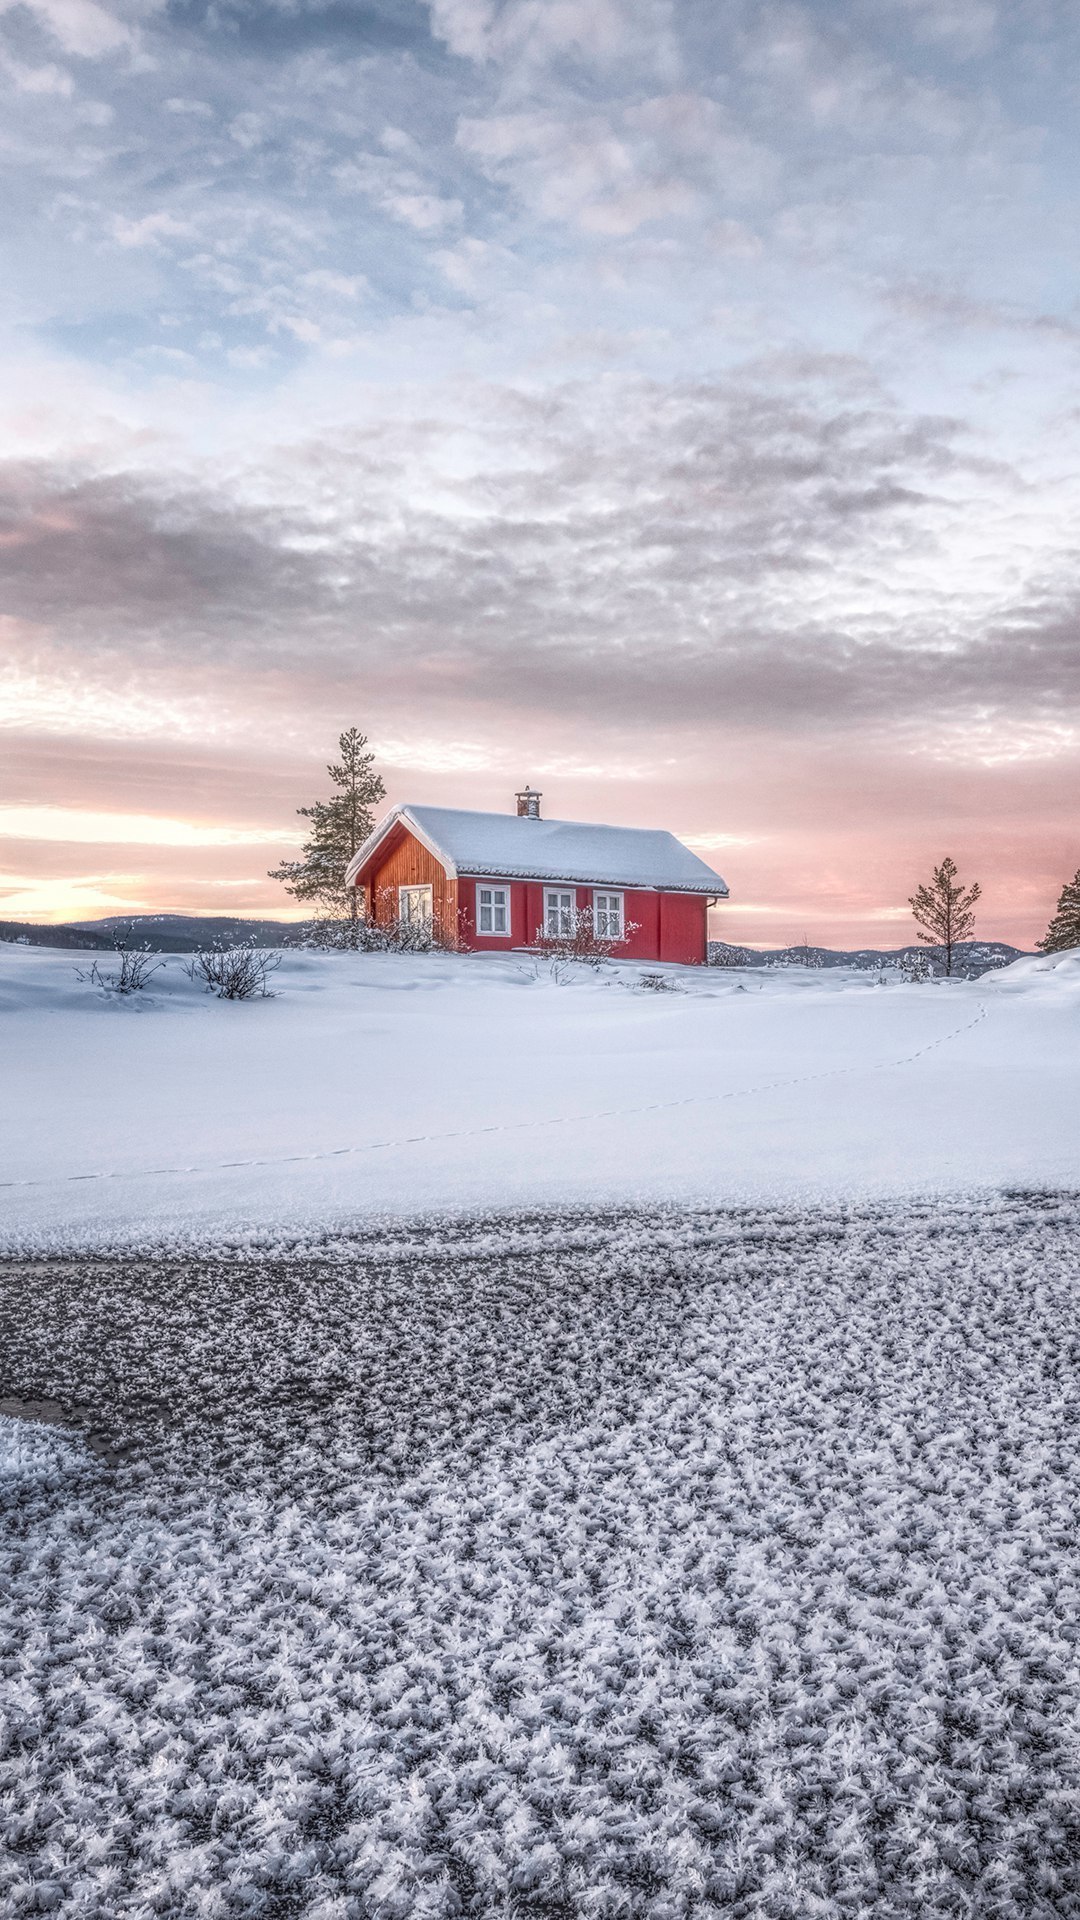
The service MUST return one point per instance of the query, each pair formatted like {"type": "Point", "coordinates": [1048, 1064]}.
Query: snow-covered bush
{"type": "Point", "coordinates": [580, 939]}
{"type": "Point", "coordinates": [330, 933]}
{"type": "Point", "coordinates": [400, 935]}
{"type": "Point", "coordinates": [134, 971]}
{"type": "Point", "coordinates": [801, 955]}
{"type": "Point", "coordinates": [721, 954]}
{"type": "Point", "coordinates": [657, 982]}
{"type": "Point", "coordinates": [917, 966]}
{"type": "Point", "coordinates": [235, 973]}
{"type": "Point", "coordinates": [391, 934]}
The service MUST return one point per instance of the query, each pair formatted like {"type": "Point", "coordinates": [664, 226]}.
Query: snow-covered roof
{"type": "Point", "coordinates": [505, 845]}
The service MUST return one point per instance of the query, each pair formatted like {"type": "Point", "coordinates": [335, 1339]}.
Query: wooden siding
{"type": "Point", "coordinates": [409, 864]}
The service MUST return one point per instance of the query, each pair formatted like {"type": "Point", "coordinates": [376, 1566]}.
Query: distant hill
{"type": "Point", "coordinates": [970, 958]}
{"type": "Point", "coordinates": [25, 933]}
{"type": "Point", "coordinates": [187, 933]}
{"type": "Point", "coordinates": [162, 932]}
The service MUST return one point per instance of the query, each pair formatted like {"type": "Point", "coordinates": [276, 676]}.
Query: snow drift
{"type": "Point", "coordinates": [381, 1085]}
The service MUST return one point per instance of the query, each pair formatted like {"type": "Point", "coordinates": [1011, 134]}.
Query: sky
{"type": "Point", "coordinates": [674, 405]}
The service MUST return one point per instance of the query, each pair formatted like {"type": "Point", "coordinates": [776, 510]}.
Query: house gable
{"type": "Point", "coordinates": [404, 861]}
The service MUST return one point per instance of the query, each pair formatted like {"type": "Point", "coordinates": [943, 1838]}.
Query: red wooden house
{"type": "Point", "coordinates": [500, 880]}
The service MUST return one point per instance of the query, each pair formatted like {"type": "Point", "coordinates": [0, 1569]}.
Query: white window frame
{"type": "Point", "coordinates": [493, 932]}
{"type": "Point", "coordinates": [608, 894]}
{"type": "Point", "coordinates": [558, 931]}
{"type": "Point", "coordinates": [405, 913]}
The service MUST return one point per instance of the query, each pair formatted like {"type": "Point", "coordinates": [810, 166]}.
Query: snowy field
{"type": "Point", "coordinates": [478, 1445]}
{"type": "Point", "coordinates": [393, 1085]}
{"type": "Point", "coordinates": [722, 1564]}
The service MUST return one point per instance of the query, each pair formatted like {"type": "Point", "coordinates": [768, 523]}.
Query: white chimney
{"type": "Point", "coordinates": [528, 804]}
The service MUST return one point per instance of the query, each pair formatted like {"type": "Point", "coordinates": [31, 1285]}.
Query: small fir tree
{"type": "Point", "coordinates": [944, 912]}
{"type": "Point", "coordinates": [339, 826]}
{"type": "Point", "coordinates": [1064, 929]}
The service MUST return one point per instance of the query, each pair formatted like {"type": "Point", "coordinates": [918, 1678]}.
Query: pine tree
{"type": "Point", "coordinates": [944, 913]}
{"type": "Point", "coordinates": [1064, 929]}
{"type": "Point", "coordinates": [339, 826]}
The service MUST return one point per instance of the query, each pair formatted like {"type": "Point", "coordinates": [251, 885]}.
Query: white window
{"type": "Point", "coordinates": [415, 906]}
{"type": "Point", "coordinates": [493, 911]}
{"type": "Point", "coordinates": [559, 904]}
{"type": "Point", "coordinates": [608, 916]}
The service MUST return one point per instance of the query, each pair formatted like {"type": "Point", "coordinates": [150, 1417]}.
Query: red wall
{"type": "Point", "coordinates": [668, 926]}
{"type": "Point", "coordinates": [683, 918]}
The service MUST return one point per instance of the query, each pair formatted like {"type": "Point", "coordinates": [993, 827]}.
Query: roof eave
{"type": "Point", "coordinates": [712, 888]}
{"type": "Point", "coordinates": [371, 846]}
{"type": "Point", "coordinates": [398, 817]}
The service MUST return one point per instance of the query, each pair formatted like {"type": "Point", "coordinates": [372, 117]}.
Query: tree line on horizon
{"type": "Point", "coordinates": [942, 907]}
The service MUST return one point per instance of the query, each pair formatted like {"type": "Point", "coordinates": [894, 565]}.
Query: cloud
{"type": "Point", "coordinates": [81, 26]}
{"type": "Point", "coordinates": [347, 286]}
{"type": "Point", "coordinates": [398, 191]}
{"type": "Point", "coordinates": [952, 309]}
{"type": "Point", "coordinates": [465, 264]}
{"type": "Point", "coordinates": [114, 548]}
{"type": "Point", "coordinates": [248, 130]}
{"type": "Point", "coordinates": [582, 171]}
{"type": "Point", "coordinates": [661, 158]}
{"type": "Point", "coordinates": [44, 79]}
{"type": "Point", "coordinates": [424, 211]}
{"type": "Point", "coordinates": [966, 27]}
{"type": "Point", "coordinates": [200, 109]}
{"type": "Point", "coordinates": [761, 552]}
{"type": "Point", "coordinates": [82, 826]}
{"type": "Point", "coordinates": [829, 77]}
{"type": "Point", "coordinates": [534, 34]}
{"type": "Point", "coordinates": [149, 230]}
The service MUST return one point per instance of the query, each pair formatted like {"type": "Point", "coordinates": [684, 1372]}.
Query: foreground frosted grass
{"type": "Point", "coordinates": [649, 1566]}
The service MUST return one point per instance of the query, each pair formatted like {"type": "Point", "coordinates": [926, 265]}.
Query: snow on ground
{"type": "Point", "coordinates": [386, 1085]}
{"type": "Point", "coordinates": [648, 1568]}
{"type": "Point", "coordinates": [711, 1555]}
